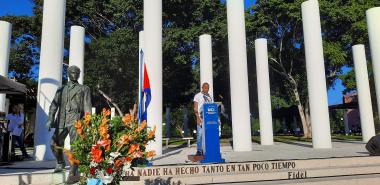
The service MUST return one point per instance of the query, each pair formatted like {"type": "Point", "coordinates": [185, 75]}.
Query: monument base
{"type": "Point", "coordinates": [307, 171]}
{"type": "Point", "coordinates": [347, 170]}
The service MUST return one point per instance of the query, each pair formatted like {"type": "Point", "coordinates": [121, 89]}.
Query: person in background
{"type": "Point", "coordinates": [199, 99]}
{"type": "Point", "coordinates": [15, 127]}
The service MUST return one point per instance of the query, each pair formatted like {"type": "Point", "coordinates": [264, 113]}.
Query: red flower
{"type": "Point", "coordinates": [128, 159]}
{"type": "Point", "coordinates": [109, 170]}
{"type": "Point", "coordinates": [92, 170]}
{"type": "Point", "coordinates": [96, 154]}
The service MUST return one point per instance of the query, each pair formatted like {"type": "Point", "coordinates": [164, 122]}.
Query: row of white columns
{"type": "Point", "coordinates": [50, 73]}
{"type": "Point", "coordinates": [239, 81]}
{"type": "Point", "coordinates": [365, 107]}
{"type": "Point", "coordinates": [315, 75]}
{"type": "Point", "coordinates": [361, 74]}
{"type": "Point", "coordinates": [265, 110]}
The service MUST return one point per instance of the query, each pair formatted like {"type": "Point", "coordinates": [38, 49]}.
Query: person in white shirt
{"type": "Point", "coordinates": [16, 121]}
{"type": "Point", "coordinates": [199, 99]}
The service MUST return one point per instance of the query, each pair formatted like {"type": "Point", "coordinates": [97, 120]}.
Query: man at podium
{"type": "Point", "coordinates": [199, 99]}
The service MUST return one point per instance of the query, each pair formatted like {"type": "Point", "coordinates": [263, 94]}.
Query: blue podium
{"type": "Point", "coordinates": [210, 139]}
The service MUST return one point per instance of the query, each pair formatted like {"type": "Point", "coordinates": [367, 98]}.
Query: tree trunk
{"type": "Point", "coordinates": [304, 113]}
{"type": "Point", "coordinates": [301, 111]}
{"type": "Point", "coordinates": [308, 120]}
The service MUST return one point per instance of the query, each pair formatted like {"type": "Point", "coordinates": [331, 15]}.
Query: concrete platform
{"type": "Point", "coordinates": [279, 151]}
{"type": "Point", "coordinates": [285, 161]}
{"type": "Point", "coordinates": [372, 179]}
{"type": "Point", "coordinates": [260, 171]}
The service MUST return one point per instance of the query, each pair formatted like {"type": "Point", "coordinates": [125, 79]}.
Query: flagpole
{"type": "Point", "coordinates": [141, 64]}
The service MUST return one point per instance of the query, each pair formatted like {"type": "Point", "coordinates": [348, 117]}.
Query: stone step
{"type": "Point", "coordinates": [260, 171]}
{"type": "Point", "coordinates": [34, 178]}
{"type": "Point", "coordinates": [252, 167]}
{"type": "Point", "coordinates": [275, 176]}
{"type": "Point", "coordinates": [372, 179]}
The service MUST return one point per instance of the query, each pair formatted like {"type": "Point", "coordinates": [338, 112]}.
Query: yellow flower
{"type": "Point", "coordinates": [79, 127]}
{"type": "Point", "coordinates": [106, 112]}
{"type": "Point", "coordinates": [150, 154]}
{"type": "Point", "coordinates": [103, 131]}
{"type": "Point", "coordinates": [151, 133]}
{"type": "Point", "coordinates": [124, 139]}
{"type": "Point", "coordinates": [133, 147]}
{"type": "Point", "coordinates": [70, 157]}
{"type": "Point", "coordinates": [87, 118]}
{"type": "Point", "coordinates": [127, 118]}
{"type": "Point", "coordinates": [104, 121]}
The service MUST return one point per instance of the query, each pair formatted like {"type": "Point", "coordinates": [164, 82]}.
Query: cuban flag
{"type": "Point", "coordinates": [144, 89]}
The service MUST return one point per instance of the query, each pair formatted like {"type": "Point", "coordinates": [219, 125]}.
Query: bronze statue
{"type": "Point", "coordinates": [70, 103]}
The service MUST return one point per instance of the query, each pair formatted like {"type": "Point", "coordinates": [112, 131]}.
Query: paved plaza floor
{"type": "Point", "coordinates": [278, 151]}
{"type": "Point", "coordinates": [174, 155]}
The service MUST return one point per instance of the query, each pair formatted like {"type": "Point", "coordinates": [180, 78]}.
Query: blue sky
{"type": "Point", "coordinates": [24, 7]}
{"type": "Point", "coordinates": [335, 95]}
{"type": "Point", "coordinates": [16, 7]}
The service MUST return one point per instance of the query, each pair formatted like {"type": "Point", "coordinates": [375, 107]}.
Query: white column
{"type": "Point", "coordinates": [364, 94]}
{"type": "Point", "coordinates": [93, 110]}
{"type": "Point", "coordinates": [263, 90]}
{"type": "Point", "coordinates": [5, 45]}
{"type": "Point", "coordinates": [76, 57]}
{"type": "Point", "coordinates": [153, 61]}
{"type": "Point", "coordinates": [373, 22]}
{"type": "Point", "coordinates": [316, 79]}
{"type": "Point", "coordinates": [205, 50]}
{"type": "Point", "coordinates": [241, 124]}
{"type": "Point", "coordinates": [50, 72]}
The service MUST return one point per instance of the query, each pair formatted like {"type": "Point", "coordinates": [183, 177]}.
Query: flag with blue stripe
{"type": "Point", "coordinates": [144, 90]}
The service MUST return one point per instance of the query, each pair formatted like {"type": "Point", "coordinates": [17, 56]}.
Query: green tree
{"type": "Point", "coordinates": [281, 23]}
{"type": "Point", "coordinates": [111, 67]}
{"type": "Point", "coordinates": [104, 21]}
{"type": "Point", "coordinates": [24, 49]}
